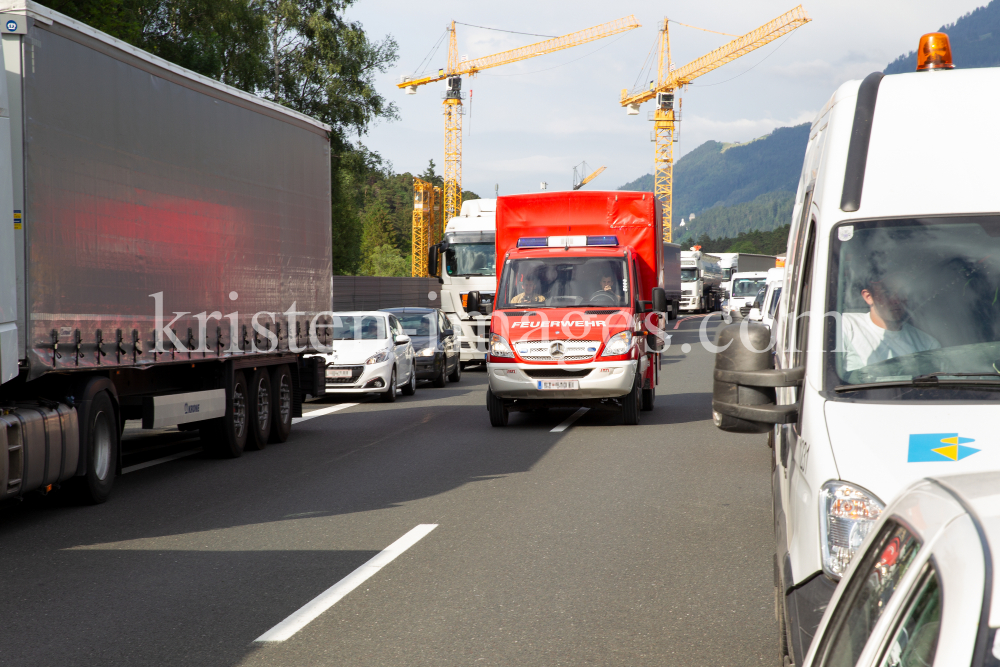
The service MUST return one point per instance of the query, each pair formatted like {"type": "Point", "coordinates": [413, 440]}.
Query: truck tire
{"type": "Point", "coordinates": [227, 436]}
{"type": "Point", "coordinates": [456, 374]}
{"type": "Point", "coordinates": [499, 414]}
{"type": "Point", "coordinates": [259, 414]}
{"type": "Point", "coordinates": [632, 404]}
{"type": "Point", "coordinates": [648, 396]}
{"type": "Point", "coordinates": [389, 395]}
{"type": "Point", "coordinates": [102, 450]}
{"type": "Point", "coordinates": [281, 404]}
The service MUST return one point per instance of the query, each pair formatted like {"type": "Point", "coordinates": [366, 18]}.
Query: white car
{"type": "Point", "coordinates": [371, 355]}
{"type": "Point", "coordinates": [922, 589]}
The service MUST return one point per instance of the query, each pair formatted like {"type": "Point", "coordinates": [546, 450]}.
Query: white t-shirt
{"type": "Point", "coordinates": [866, 343]}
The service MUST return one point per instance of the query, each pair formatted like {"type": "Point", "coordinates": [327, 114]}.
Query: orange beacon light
{"type": "Point", "coordinates": [934, 52]}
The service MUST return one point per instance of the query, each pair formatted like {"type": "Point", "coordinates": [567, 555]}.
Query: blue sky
{"type": "Point", "coordinates": [533, 121]}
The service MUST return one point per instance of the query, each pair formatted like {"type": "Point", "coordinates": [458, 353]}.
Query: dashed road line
{"type": "Point", "coordinates": [569, 420]}
{"type": "Point", "coordinates": [323, 411]}
{"type": "Point", "coordinates": [331, 596]}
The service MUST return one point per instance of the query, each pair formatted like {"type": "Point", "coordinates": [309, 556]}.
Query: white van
{"type": "Point", "coordinates": [887, 359]}
{"type": "Point", "coordinates": [744, 288]}
{"type": "Point", "coordinates": [764, 313]}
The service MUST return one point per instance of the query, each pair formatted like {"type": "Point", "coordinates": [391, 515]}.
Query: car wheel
{"type": "Point", "coordinates": [499, 414]}
{"type": "Point", "coordinates": [281, 404]}
{"type": "Point", "coordinates": [410, 388]}
{"type": "Point", "coordinates": [260, 402]}
{"type": "Point", "coordinates": [648, 396]}
{"type": "Point", "coordinates": [390, 394]}
{"type": "Point", "coordinates": [632, 404]}
{"type": "Point", "coordinates": [439, 379]}
{"type": "Point", "coordinates": [456, 374]}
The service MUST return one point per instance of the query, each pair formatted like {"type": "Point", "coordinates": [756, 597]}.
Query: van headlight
{"type": "Point", "coordinates": [378, 357]}
{"type": "Point", "coordinates": [847, 515]}
{"type": "Point", "coordinates": [499, 346]}
{"type": "Point", "coordinates": [620, 343]}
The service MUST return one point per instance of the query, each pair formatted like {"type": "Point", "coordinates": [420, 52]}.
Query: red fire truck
{"type": "Point", "coordinates": [580, 305]}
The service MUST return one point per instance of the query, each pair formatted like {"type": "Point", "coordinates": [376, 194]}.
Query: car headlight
{"type": "Point", "coordinates": [847, 515]}
{"type": "Point", "coordinates": [427, 352]}
{"type": "Point", "coordinates": [499, 346]}
{"type": "Point", "coordinates": [620, 343]}
{"type": "Point", "coordinates": [378, 357]}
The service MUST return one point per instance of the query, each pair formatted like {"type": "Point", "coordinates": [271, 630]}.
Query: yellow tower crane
{"type": "Point", "coordinates": [453, 109]}
{"type": "Point", "coordinates": [668, 79]}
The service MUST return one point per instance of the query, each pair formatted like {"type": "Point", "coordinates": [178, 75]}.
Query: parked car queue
{"type": "Point", "coordinates": [386, 352]}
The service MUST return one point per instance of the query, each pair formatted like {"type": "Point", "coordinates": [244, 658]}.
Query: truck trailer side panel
{"type": "Point", "coordinates": [137, 181]}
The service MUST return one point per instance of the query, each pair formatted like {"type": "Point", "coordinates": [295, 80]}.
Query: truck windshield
{"type": "Point", "coordinates": [689, 275]}
{"type": "Point", "coordinates": [565, 282]}
{"type": "Point", "coordinates": [471, 254]}
{"type": "Point", "coordinates": [915, 303]}
{"type": "Point", "coordinates": [748, 287]}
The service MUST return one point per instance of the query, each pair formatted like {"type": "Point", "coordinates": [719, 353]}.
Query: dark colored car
{"type": "Point", "coordinates": [434, 341]}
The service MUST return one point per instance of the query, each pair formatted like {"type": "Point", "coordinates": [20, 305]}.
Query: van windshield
{"type": "Point", "coordinates": [744, 287]}
{"type": "Point", "coordinates": [915, 298]}
{"type": "Point", "coordinates": [564, 282]}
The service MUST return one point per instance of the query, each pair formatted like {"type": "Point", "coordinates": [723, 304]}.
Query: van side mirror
{"type": "Point", "coordinates": [659, 300]}
{"type": "Point", "coordinates": [743, 396]}
{"type": "Point", "coordinates": [432, 260]}
{"type": "Point", "coordinates": [472, 302]}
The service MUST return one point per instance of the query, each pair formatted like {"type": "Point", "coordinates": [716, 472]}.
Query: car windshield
{"type": "Point", "coordinates": [689, 275]}
{"type": "Point", "coordinates": [915, 297]}
{"type": "Point", "coordinates": [471, 254]}
{"type": "Point", "coordinates": [359, 327]}
{"type": "Point", "coordinates": [748, 287]}
{"type": "Point", "coordinates": [418, 324]}
{"type": "Point", "coordinates": [565, 282]}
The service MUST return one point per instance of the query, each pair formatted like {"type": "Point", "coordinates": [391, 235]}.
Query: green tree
{"type": "Point", "coordinates": [430, 176]}
{"type": "Point", "coordinates": [386, 261]}
{"type": "Point", "coordinates": [377, 233]}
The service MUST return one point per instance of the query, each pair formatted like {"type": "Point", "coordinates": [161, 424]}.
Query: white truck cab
{"type": "Point", "coordinates": [886, 349]}
{"type": "Point", "coordinates": [744, 287]}
{"type": "Point", "coordinates": [468, 264]}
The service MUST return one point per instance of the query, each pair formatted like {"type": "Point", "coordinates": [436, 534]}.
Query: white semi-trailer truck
{"type": "Point", "coordinates": [167, 258]}
{"type": "Point", "coordinates": [701, 281]}
{"type": "Point", "coordinates": [466, 258]}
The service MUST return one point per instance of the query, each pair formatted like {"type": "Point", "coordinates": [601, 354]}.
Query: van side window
{"type": "Point", "coordinates": [802, 311]}
{"type": "Point", "coordinates": [795, 270]}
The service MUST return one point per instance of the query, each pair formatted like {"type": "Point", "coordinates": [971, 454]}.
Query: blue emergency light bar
{"type": "Point", "coordinates": [566, 241]}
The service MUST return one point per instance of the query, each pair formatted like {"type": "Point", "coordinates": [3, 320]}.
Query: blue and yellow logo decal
{"type": "Point", "coordinates": [934, 447]}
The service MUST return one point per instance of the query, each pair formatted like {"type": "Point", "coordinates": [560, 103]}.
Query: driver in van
{"type": "Point", "coordinates": [529, 293]}
{"type": "Point", "coordinates": [881, 333]}
{"type": "Point", "coordinates": [609, 286]}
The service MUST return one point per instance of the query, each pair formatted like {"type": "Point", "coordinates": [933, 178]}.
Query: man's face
{"type": "Point", "coordinates": [607, 283]}
{"type": "Point", "coordinates": [530, 285]}
{"type": "Point", "coordinates": [891, 307]}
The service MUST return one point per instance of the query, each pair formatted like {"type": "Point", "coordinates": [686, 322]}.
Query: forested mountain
{"type": "Point", "coordinates": [975, 41]}
{"type": "Point", "coordinates": [734, 188]}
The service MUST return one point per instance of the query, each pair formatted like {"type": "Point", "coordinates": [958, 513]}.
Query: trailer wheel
{"type": "Point", "coordinates": [499, 414]}
{"type": "Point", "coordinates": [632, 403]}
{"type": "Point", "coordinates": [102, 450]}
{"type": "Point", "coordinates": [228, 435]}
{"type": "Point", "coordinates": [281, 403]}
{"type": "Point", "coordinates": [260, 401]}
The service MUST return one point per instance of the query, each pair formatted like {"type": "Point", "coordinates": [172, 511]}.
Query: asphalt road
{"type": "Point", "coordinates": [601, 544]}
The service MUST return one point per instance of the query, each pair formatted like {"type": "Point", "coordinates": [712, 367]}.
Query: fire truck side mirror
{"type": "Point", "coordinates": [659, 300]}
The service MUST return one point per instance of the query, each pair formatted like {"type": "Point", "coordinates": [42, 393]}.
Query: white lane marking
{"type": "Point", "coordinates": [323, 411]}
{"type": "Point", "coordinates": [569, 420]}
{"type": "Point", "coordinates": [692, 317]}
{"type": "Point", "coordinates": [331, 596]}
{"type": "Point", "coordinates": [156, 462]}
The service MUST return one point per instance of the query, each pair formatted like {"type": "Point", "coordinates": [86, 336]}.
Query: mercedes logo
{"type": "Point", "coordinates": [556, 349]}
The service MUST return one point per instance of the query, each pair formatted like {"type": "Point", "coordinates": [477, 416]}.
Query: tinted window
{"type": "Point", "coordinates": [869, 590]}
{"type": "Point", "coordinates": [418, 324]}
{"type": "Point", "coordinates": [915, 640]}
{"type": "Point", "coordinates": [369, 327]}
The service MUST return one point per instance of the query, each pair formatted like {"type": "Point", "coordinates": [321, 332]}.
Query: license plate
{"type": "Point", "coordinates": [339, 372]}
{"type": "Point", "coordinates": [558, 385]}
